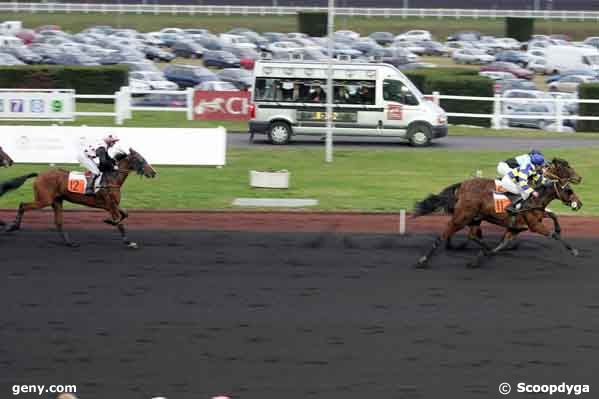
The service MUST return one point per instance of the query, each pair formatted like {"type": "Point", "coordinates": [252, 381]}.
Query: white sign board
{"type": "Point", "coordinates": [159, 146]}
{"type": "Point", "coordinates": [30, 105]}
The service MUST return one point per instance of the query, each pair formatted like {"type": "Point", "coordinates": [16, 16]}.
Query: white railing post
{"type": "Point", "coordinates": [127, 99]}
{"type": "Point", "coordinates": [118, 108]}
{"type": "Point", "coordinates": [436, 97]}
{"type": "Point", "coordinates": [496, 121]}
{"type": "Point", "coordinates": [189, 95]}
{"type": "Point", "coordinates": [559, 116]}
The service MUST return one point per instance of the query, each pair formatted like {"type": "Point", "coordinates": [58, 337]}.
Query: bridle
{"type": "Point", "coordinates": [559, 189]}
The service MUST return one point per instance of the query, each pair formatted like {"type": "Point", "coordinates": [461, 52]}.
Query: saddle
{"type": "Point", "coordinates": [503, 199]}
{"type": "Point", "coordinates": [83, 183]}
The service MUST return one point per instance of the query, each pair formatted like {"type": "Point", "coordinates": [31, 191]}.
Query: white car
{"type": "Point", "coordinates": [278, 47]}
{"type": "Point", "coordinates": [509, 43]}
{"type": "Point", "coordinates": [236, 41]}
{"type": "Point", "coordinates": [570, 83]}
{"type": "Point", "coordinates": [410, 46]}
{"type": "Point", "coordinates": [177, 31]}
{"type": "Point", "coordinates": [155, 80]}
{"type": "Point", "coordinates": [538, 65]}
{"type": "Point", "coordinates": [216, 85]}
{"type": "Point", "coordinates": [497, 75]}
{"type": "Point", "coordinates": [471, 56]}
{"type": "Point", "coordinates": [414, 35]}
{"type": "Point", "coordinates": [347, 34]}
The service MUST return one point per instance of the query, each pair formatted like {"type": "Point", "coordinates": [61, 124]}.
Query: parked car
{"type": "Point", "coordinates": [216, 85]}
{"type": "Point", "coordinates": [160, 100]}
{"type": "Point", "coordinates": [278, 47]}
{"type": "Point", "coordinates": [187, 49]}
{"type": "Point", "coordinates": [389, 55]}
{"type": "Point", "coordinates": [71, 59]}
{"type": "Point", "coordinates": [509, 67]}
{"type": "Point", "coordinates": [157, 54]}
{"type": "Point", "coordinates": [496, 75]}
{"type": "Point", "coordinates": [365, 45]}
{"type": "Point", "coordinates": [592, 41]}
{"type": "Point", "coordinates": [467, 36]}
{"type": "Point", "coordinates": [433, 48]}
{"type": "Point", "coordinates": [514, 57]}
{"type": "Point", "coordinates": [241, 78]}
{"type": "Point", "coordinates": [570, 83]}
{"type": "Point", "coordinates": [471, 56]}
{"type": "Point", "coordinates": [532, 96]}
{"type": "Point", "coordinates": [9, 59]}
{"type": "Point", "coordinates": [538, 65]}
{"type": "Point", "coordinates": [141, 66]}
{"type": "Point", "coordinates": [274, 36]}
{"type": "Point", "coordinates": [545, 112]}
{"type": "Point", "coordinates": [586, 72]}
{"type": "Point", "coordinates": [188, 75]}
{"type": "Point", "coordinates": [346, 35]}
{"type": "Point", "coordinates": [236, 40]}
{"type": "Point", "coordinates": [414, 36]}
{"type": "Point", "coordinates": [508, 84]}
{"type": "Point", "coordinates": [382, 38]}
{"type": "Point", "coordinates": [155, 80]}
{"type": "Point", "coordinates": [247, 56]}
{"type": "Point", "coordinates": [23, 53]}
{"type": "Point", "coordinates": [208, 41]}
{"type": "Point", "coordinates": [221, 59]}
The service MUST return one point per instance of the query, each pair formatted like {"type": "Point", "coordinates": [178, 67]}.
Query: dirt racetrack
{"type": "Point", "coordinates": [193, 314]}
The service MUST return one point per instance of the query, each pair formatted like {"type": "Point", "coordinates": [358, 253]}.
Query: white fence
{"type": "Point", "coordinates": [498, 114]}
{"type": "Point", "coordinates": [274, 10]}
{"type": "Point", "coordinates": [123, 107]}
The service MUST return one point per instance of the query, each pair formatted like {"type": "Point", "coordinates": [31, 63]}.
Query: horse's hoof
{"type": "Point", "coordinates": [473, 264]}
{"type": "Point", "coordinates": [132, 245]}
{"type": "Point", "coordinates": [422, 263]}
{"type": "Point", "coordinates": [575, 252]}
{"type": "Point", "coordinates": [11, 228]}
{"type": "Point", "coordinates": [72, 244]}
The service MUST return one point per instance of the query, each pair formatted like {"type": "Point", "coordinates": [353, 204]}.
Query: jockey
{"type": "Point", "coordinates": [98, 151]}
{"type": "Point", "coordinates": [520, 161]}
{"type": "Point", "coordinates": [522, 179]}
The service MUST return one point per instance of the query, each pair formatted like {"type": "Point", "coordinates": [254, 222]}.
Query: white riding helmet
{"type": "Point", "coordinates": [111, 139]}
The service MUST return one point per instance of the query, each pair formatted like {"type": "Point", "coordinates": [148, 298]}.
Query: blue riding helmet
{"type": "Point", "coordinates": [537, 158]}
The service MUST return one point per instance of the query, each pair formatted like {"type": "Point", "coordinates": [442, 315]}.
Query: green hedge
{"type": "Point", "coordinates": [84, 79]}
{"type": "Point", "coordinates": [588, 91]}
{"type": "Point", "coordinates": [520, 29]}
{"type": "Point", "coordinates": [457, 82]}
{"type": "Point", "coordinates": [313, 23]}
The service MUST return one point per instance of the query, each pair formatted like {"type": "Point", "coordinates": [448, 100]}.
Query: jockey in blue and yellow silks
{"type": "Point", "coordinates": [523, 179]}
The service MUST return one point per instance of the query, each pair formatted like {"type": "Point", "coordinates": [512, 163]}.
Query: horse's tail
{"type": "Point", "coordinates": [15, 183]}
{"type": "Point", "coordinates": [444, 201]}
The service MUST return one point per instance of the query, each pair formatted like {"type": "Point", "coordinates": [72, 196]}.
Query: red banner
{"type": "Point", "coordinates": [221, 105]}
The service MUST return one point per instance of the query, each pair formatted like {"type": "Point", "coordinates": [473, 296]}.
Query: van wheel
{"type": "Point", "coordinates": [419, 135]}
{"type": "Point", "coordinates": [279, 133]}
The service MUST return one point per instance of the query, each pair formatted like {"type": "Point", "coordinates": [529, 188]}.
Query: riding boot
{"type": "Point", "coordinates": [516, 206]}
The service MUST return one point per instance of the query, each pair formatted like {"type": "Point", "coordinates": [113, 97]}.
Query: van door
{"type": "Point", "coordinates": [400, 106]}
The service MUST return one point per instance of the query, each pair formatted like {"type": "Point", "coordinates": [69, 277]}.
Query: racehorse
{"type": "Point", "coordinates": [51, 189]}
{"type": "Point", "coordinates": [13, 184]}
{"type": "Point", "coordinates": [471, 202]}
{"type": "Point", "coordinates": [5, 160]}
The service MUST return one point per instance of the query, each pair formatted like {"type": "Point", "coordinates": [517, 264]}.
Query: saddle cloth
{"type": "Point", "coordinates": [500, 199]}
{"type": "Point", "coordinates": [82, 183]}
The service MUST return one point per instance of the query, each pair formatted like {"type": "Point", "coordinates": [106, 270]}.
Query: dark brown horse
{"type": "Point", "coordinates": [471, 202]}
{"type": "Point", "coordinates": [5, 160]}
{"type": "Point", "coordinates": [50, 189]}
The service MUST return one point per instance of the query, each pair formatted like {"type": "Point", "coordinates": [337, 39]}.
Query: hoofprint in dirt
{"type": "Point", "coordinates": [273, 315]}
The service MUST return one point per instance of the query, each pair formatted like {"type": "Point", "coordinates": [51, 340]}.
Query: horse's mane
{"type": "Point", "coordinates": [560, 162]}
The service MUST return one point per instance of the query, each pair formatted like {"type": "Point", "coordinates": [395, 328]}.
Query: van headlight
{"type": "Point", "coordinates": [442, 119]}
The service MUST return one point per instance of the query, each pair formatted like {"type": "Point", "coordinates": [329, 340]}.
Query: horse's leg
{"type": "Point", "coordinates": [24, 207]}
{"type": "Point", "coordinates": [476, 235]}
{"type": "Point", "coordinates": [58, 220]}
{"type": "Point", "coordinates": [113, 208]}
{"type": "Point", "coordinates": [124, 237]}
{"type": "Point", "coordinates": [538, 227]}
{"type": "Point", "coordinates": [507, 238]}
{"type": "Point", "coordinates": [453, 226]}
{"type": "Point", "coordinates": [557, 229]}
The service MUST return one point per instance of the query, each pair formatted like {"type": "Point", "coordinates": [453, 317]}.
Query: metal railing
{"type": "Point", "coordinates": [176, 9]}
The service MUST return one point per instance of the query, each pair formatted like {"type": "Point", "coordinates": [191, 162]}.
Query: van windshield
{"type": "Point", "coordinates": [591, 60]}
{"type": "Point", "coordinates": [395, 90]}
